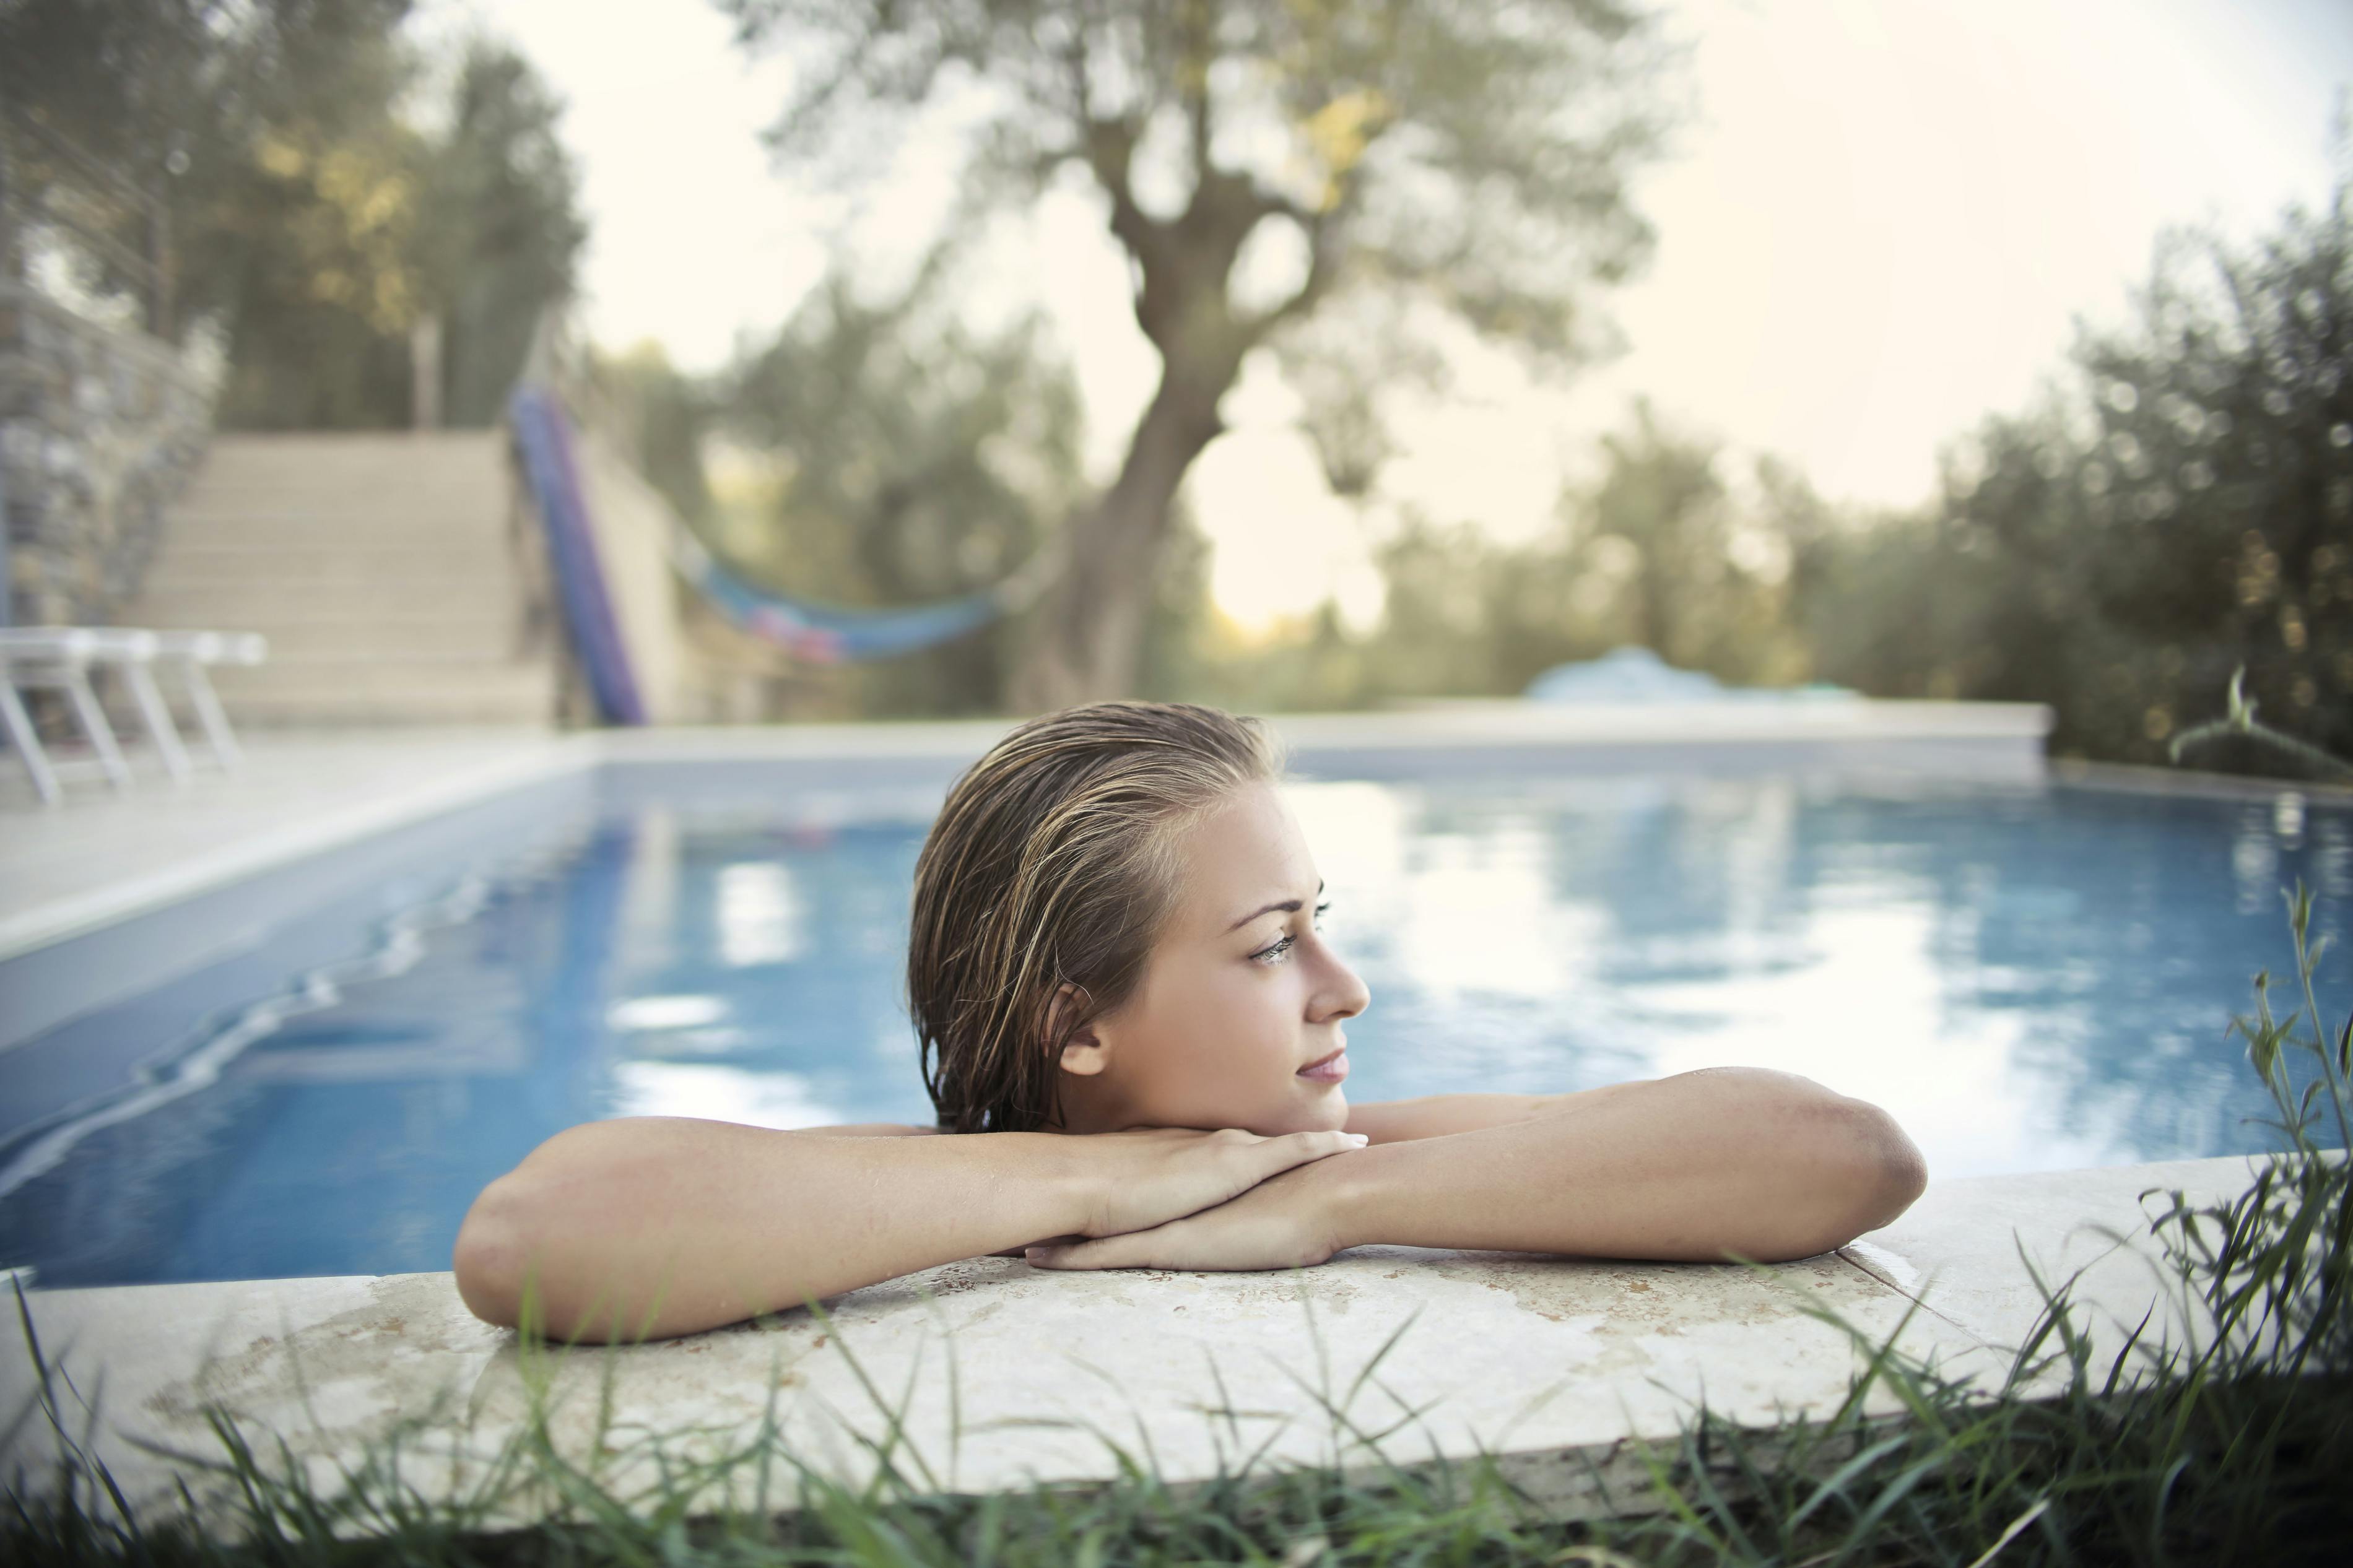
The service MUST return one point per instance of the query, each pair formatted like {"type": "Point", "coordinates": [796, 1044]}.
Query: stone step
{"type": "Point", "coordinates": [250, 456]}
{"type": "Point", "coordinates": [311, 482]}
{"type": "Point", "coordinates": [410, 520]}
{"type": "Point", "coordinates": [303, 652]}
{"type": "Point", "coordinates": [378, 563]}
{"type": "Point", "coordinates": [388, 636]}
{"type": "Point", "coordinates": [382, 624]}
{"type": "Point", "coordinates": [407, 691]}
{"type": "Point", "coordinates": [332, 588]}
{"type": "Point", "coordinates": [196, 605]}
{"type": "Point", "coordinates": [361, 546]}
{"type": "Point", "coordinates": [332, 579]}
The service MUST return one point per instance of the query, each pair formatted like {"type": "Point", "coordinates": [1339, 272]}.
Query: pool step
{"type": "Point", "coordinates": [385, 567]}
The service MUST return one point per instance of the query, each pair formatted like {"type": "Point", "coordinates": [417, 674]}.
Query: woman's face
{"type": "Point", "coordinates": [1236, 1022]}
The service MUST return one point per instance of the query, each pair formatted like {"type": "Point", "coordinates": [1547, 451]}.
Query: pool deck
{"type": "Point", "coordinates": [1558, 1366]}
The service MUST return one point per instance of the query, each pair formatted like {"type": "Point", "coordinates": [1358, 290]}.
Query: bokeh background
{"type": "Point", "coordinates": [1326, 353]}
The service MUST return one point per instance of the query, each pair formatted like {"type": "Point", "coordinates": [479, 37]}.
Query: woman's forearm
{"type": "Point", "coordinates": [652, 1226]}
{"type": "Point", "coordinates": [1761, 1164]}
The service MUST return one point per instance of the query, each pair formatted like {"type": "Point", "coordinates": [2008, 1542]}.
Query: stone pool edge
{"type": "Point", "coordinates": [1559, 1368]}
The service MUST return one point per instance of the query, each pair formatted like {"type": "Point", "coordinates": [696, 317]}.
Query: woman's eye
{"type": "Point", "coordinates": [1274, 953]}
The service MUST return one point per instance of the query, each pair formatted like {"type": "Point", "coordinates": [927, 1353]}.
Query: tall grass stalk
{"type": "Point", "coordinates": [2223, 1434]}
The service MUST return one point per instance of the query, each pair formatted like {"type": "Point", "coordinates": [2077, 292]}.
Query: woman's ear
{"type": "Point", "coordinates": [1084, 1052]}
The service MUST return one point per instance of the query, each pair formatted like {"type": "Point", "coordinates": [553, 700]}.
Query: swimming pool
{"type": "Point", "coordinates": [2030, 976]}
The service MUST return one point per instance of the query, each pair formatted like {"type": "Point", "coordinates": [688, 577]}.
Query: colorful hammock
{"type": "Point", "coordinates": [818, 633]}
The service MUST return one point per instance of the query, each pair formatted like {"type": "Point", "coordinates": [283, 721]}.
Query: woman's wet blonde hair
{"type": "Point", "coordinates": [1051, 866]}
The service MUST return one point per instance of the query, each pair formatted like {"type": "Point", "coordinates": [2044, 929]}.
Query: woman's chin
{"type": "Point", "coordinates": [1326, 1110]}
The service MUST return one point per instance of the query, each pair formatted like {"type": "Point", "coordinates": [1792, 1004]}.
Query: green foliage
{"type": "Point", "coordinates": [1658, 551]}
{"type": "Point", "coordinates": [2182, 508]}
{"type": "Point", "coordinates": [1475, 155]}
{"type": "Point", "coordinates": [908, 458]}
{"type": "Point", "coordinates": [346, 231]}
{"type": "Point", "coordinates": [497, 230]}
{"type": "Point", "coordinates": [665, 416]}
{"type": "Point", "coordinates": [307, 212]}
{"type": "Point", "coordinates": [1426, 165]}
{"type": "Point", "coordinates": [2189, 510]}
{"type": "Point", "coordinates": [307, 248]}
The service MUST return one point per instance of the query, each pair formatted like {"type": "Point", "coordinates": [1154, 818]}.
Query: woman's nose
{"type": "Point", "coordinates": [1343, 995]}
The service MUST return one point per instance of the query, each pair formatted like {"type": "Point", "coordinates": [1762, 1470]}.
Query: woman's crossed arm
{"type": "Point", "coordinates": [653, 1226]}
{"type": "Point", "coordinates": [1724, 1161]}
{"type": "Point", "coordinates": [648, 1226]}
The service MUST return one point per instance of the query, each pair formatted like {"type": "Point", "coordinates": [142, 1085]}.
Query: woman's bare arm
{"type": "Point", "coordinates": [1437, 1115]}
{"type": "Point", "coordinates": [1699, 1166]}
{"type": "Point", "coordinates": [647, 1227]}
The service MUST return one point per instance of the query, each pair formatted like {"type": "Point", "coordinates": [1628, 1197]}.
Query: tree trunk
{"type": "Point", "coordinates": [1091, 624]}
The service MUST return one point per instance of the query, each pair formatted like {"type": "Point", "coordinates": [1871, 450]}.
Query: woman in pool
{"type": "Point", "coordinates": [1131, 1021]}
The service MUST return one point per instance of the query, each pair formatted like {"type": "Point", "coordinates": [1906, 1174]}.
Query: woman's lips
{"type": "Point", "coordinates": [1329, 1069]}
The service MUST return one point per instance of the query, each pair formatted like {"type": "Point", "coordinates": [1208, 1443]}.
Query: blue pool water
{"type": "Point", "coordinates": [2028, 978]}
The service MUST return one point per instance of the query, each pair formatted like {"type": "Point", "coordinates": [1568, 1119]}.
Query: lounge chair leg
{"type": "Point", "coordinates": [157, 714]}
{"type": "Point", "coordinates": [94, 725]}
{"type": "Point", "coordinates": [217, 734]}
{"type": "Point", "coordinates": [19, 725]}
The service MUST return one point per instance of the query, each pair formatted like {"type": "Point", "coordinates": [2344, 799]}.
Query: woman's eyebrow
{"type": "Point", "coordinates": [1287, 907]}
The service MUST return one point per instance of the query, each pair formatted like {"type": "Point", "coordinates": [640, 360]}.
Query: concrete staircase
{"type": "Point", "coordinates": [378, 564]}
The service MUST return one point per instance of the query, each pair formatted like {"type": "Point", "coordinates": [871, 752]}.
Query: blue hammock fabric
{"type": "Point", "coordinates": [818, 633]}
{"type": "Point", "coordinates": [829, 634]}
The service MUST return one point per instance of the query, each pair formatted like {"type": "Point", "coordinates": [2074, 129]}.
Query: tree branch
{"type": "Point", "coordinates": [1198, 27]}
{"type": "Point", "coordinates": [1110, 151]}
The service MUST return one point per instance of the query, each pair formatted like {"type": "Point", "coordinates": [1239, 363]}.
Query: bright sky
{"type": "Point", "coordinates": [1882, 222]}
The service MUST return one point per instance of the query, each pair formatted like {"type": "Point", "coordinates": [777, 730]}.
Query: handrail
{"type": "Point", "coordinates": [151, 272]}
{"type": "Point", "coordinates": [75, 153]}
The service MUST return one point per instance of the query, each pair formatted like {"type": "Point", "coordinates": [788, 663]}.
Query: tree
{"type": "Point", "coordinates": [178, 96]}
{"type": "Point", "coordinates": [308, 251]}
{"type": "Point", "coordinates": [664, 417]}
{"type": "Point", "coordinates": [2188, 507]}
{"type": "Point", "coordinates": [1427, 162]}
{"type": "Point", "coordinates": [1663, 498]}
{"type": "Point", "coordinates": [499, 229]}
{"type": "Point", "coordinates": [309, 215]}
{"type": "Point", "coordinates": [351, 226]}
{"type": "Point", "coordinates": [918, 460]}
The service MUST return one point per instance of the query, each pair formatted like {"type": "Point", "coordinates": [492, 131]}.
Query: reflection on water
{"type": "Point", "coordinates": [770, 1098]}
{"type": "Point", "coordinates": [2026, 979]}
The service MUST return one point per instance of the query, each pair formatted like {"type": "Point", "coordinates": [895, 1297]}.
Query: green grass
{"type": "Point", "coordinates": [2230, 1442]}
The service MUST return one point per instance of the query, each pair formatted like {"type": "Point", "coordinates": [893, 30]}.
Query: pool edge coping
{"type": "Point", "coordinates": [1974, 1233]}
{"type": "Point", "coordinates": [63, 920]}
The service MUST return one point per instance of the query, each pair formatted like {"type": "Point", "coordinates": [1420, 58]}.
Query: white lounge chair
{"type": "Point", "coordinates": [189, 653]}
{"type": "Point", "coordinates": [62, 658]}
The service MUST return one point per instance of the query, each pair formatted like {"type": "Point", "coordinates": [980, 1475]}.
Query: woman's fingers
{"type": "Point", "coordinates": [1277, 1155]}
{"type": "Point", "coordinates": [1275, 1224]}
{"type": "Point", "coordinates": [1150, 1177]}
{"type": "Point", "coordinates": [1136, 1249]}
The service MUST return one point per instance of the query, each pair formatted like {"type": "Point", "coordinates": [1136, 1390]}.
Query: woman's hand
{"type": "Point", "coordinates": [1726, 1162]}
{"type": "Point", "coordinates": [644, 1227]}
{"type": "Point", "coordinates": [1142, 1180]}
{"type": "Point", "coordinates": [1283, 1223]}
